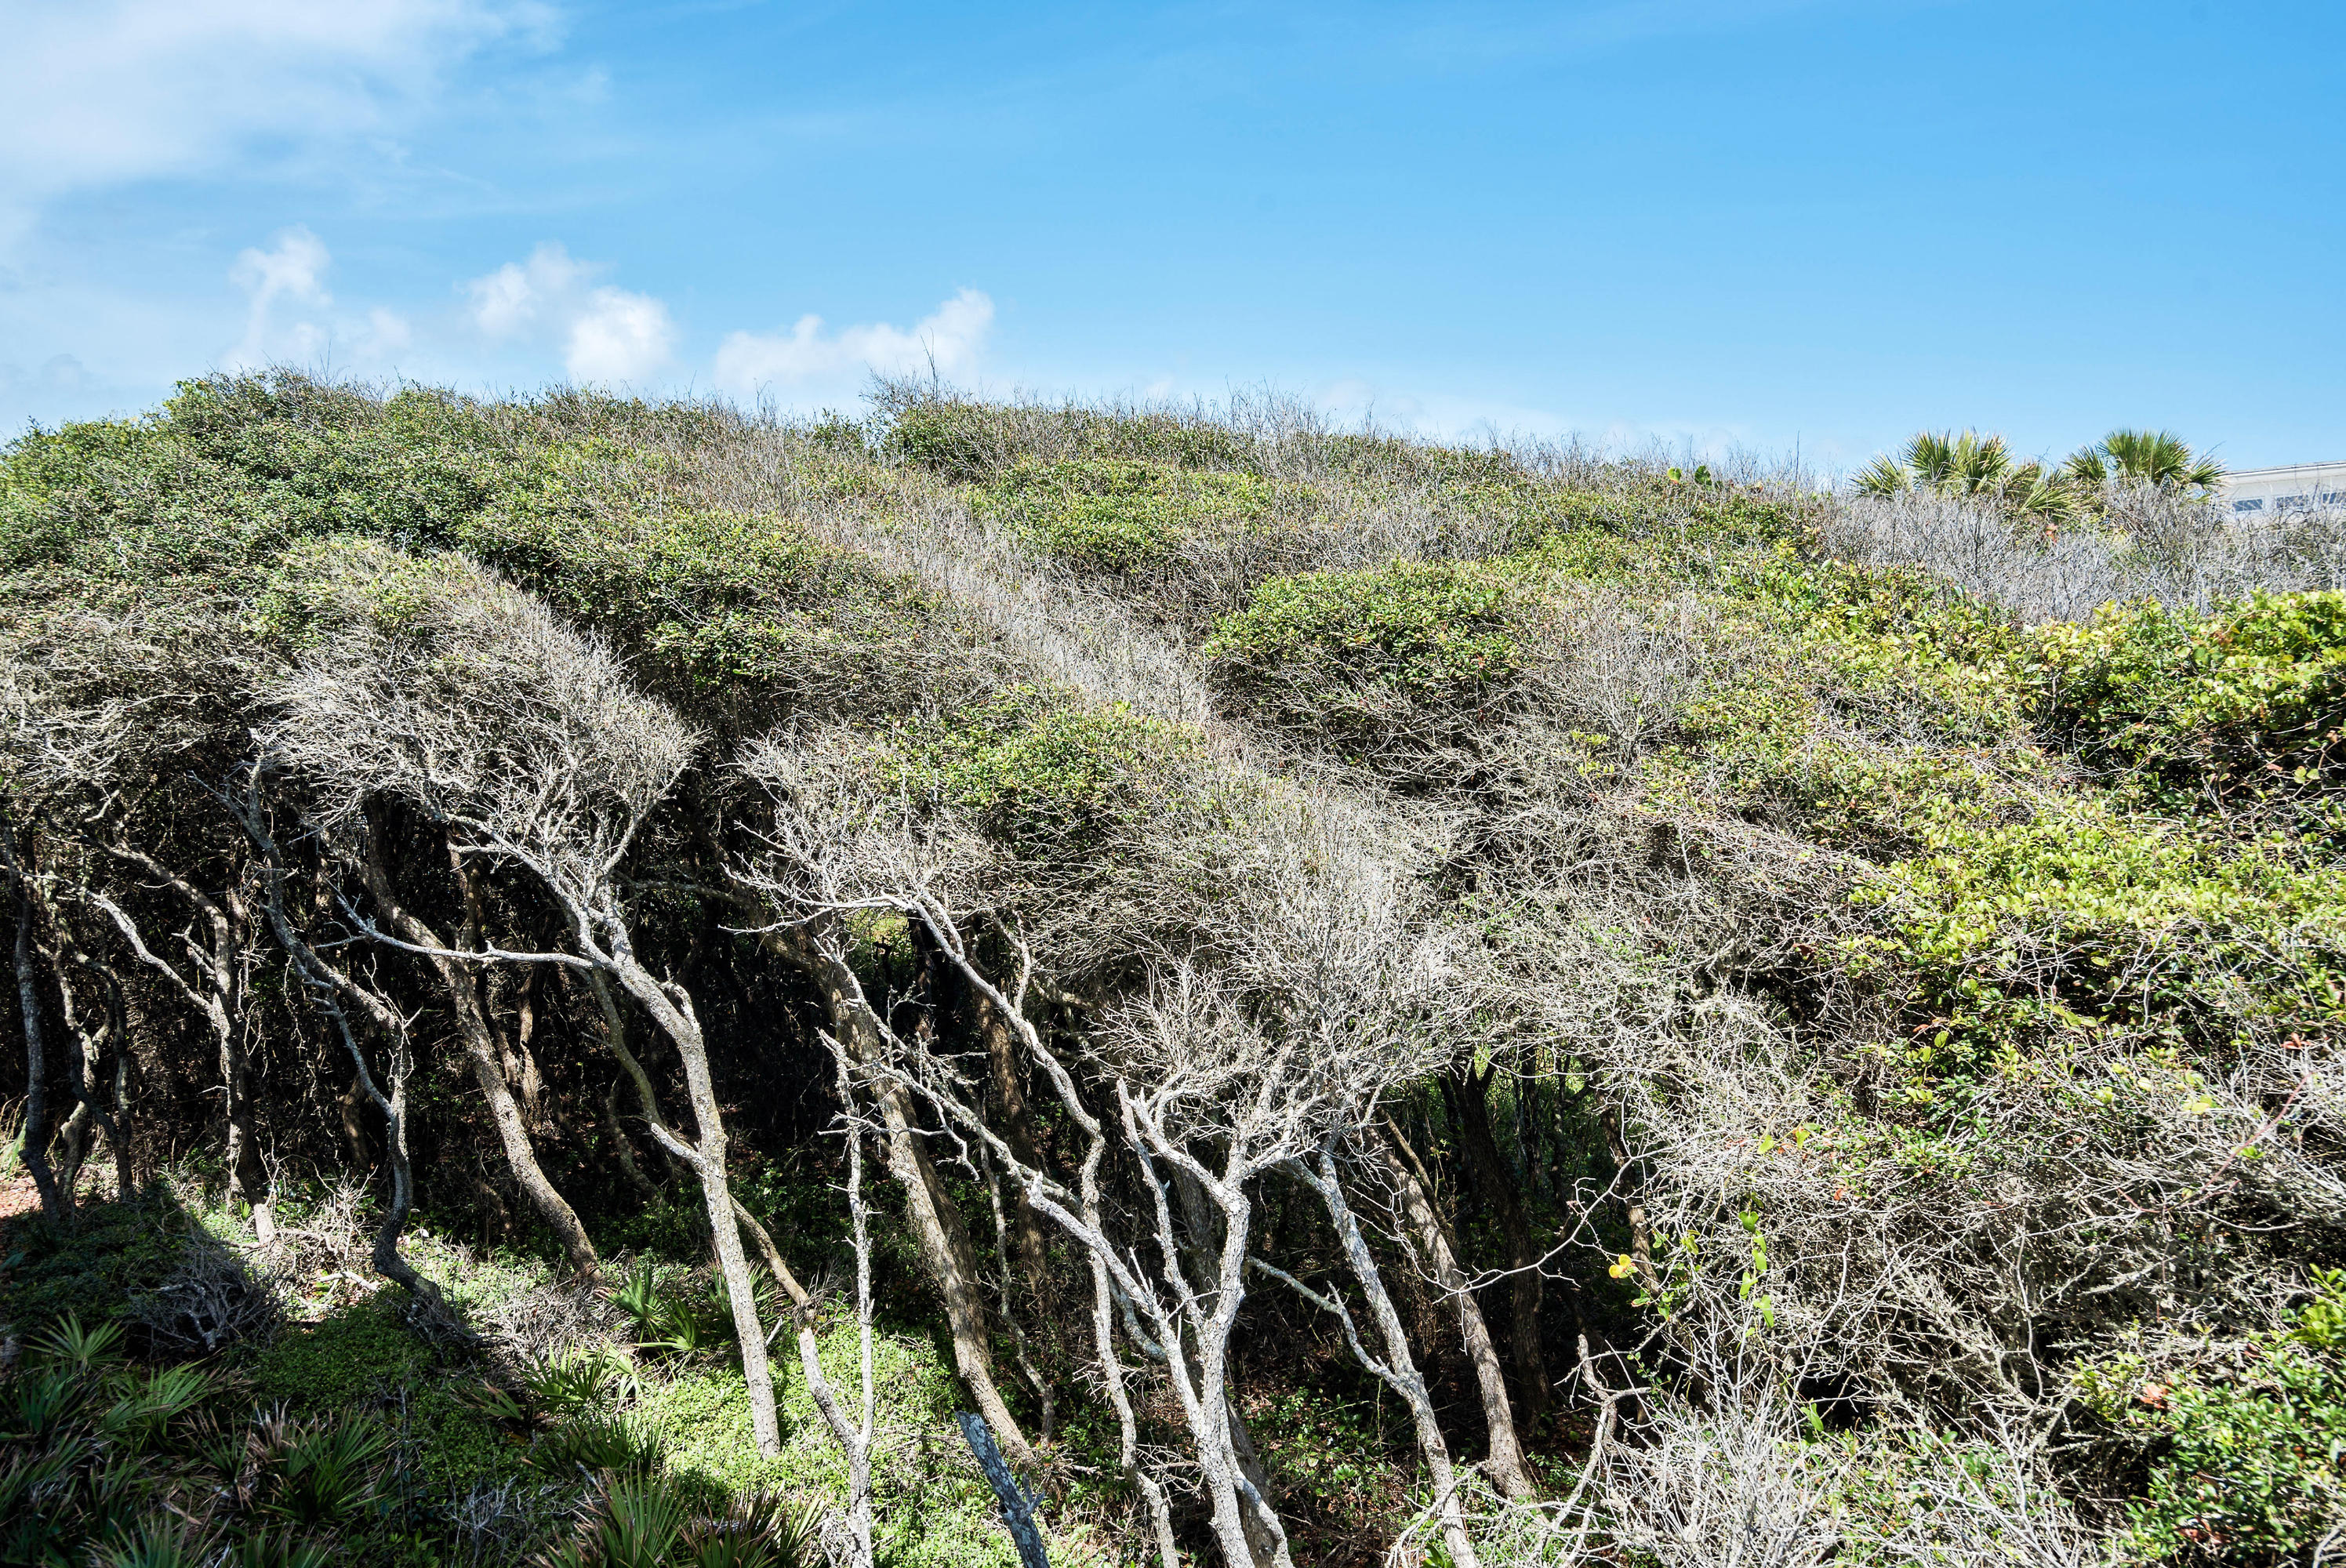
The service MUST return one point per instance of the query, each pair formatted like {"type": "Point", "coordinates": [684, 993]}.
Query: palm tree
{"type": "Point", "coordinates": [2154, 457]}
{"type": "Point", "coordinates": [1965, 464]}
{"type": "Point", "coordinates": [1974, 468]}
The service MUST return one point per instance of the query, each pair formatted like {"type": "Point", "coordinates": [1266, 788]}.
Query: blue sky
{"type": "Point", "coordinates": [1754, 223]}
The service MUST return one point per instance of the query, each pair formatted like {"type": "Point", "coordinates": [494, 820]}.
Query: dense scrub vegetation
{"type": "Point", "coordinates": [590, 972]}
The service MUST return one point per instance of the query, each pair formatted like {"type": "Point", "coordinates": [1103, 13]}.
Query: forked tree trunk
{"type": "Point", "coordinates": [1087, 1226]}
{"type": "Point", "coordinates": [1247, 1528]}
{"type": "Point", "coordinates": [218, 993]}
{"type": "Point", "coordinates": [336, 992]}
{"type": "Point", "coordinates": [671, 1008]}
{"type": "Point", "coordinates": [622, 1150]}
{"type": "Point", "coordinates": [1019, 1131]}
{"type": "Point", "coordinates": [114, 1122]}
{"type": "Point", "coordinates": [1206, 1224]}
{"type": "Point", "coordinates": [1633, 1202]}
{"type": "Point", "coordinates": [248, 1177]}
{"type": "Point", "coordinates": [663, 1137]}
{"type": "Point", "coordinates": [1399, 1367]}
{"type": "Point", "coordinates": [90, 1046]}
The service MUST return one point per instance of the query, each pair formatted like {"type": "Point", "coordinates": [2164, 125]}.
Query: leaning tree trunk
{"type": "Point", "coordinates": [115, 1124]}
{"type": "Point", "coordinates": [331, 989]}
{"type": "Point", "coordinates": [218, 993]}
{"type": "Point", "coordinates": [486, 1062]}
{"type": "Point", "coordinates": [1432, 1240]}
{"type": "Point", "coordinates": [1088, 1226]}
{"type": "Point", "coordinates": [1495, 1186]}
{"type": "Point", "coordinates": [248, 1178]}
{"type": "Point", "coordinates": [56, 1204]}
{"type": "Point", "coordinates": [1399, 1367]}
{"type": "Point", "coordinates": [937, 1224]}
{"type": "Point", "coordinates": [1245, 1525]}
{"type": "Point", "coordinates": [1019, 1131]}
{"type": "Point", "coordinates": [671, 1008]}
{"type": "Point", "coordinates": [1205, 1225]}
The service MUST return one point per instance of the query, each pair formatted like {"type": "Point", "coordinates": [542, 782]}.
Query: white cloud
{"type": "Point", "coordinates": [100, 91]}
{"type": "Point", "coordinates": [949, 337]}
{"type": "Point", "coordinates": [605, 334]}
{"type": "Point", "coordinates": [291, 269]}
{"type": "Point", "coordinates": [620, 337]}
{"type": "Point", "coordinates": [508, 301]}
{"type": "Point", "coordinates": [289, 315]}
{"type": "Point", "coordinates": [296, 267]}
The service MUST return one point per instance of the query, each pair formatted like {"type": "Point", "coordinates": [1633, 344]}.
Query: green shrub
{"type": "Point", "coordinates": [1040, 772]}
{"type": "Point", "coordinates": [934, 1509]}
{"type": "Point", "coordinates": [105, 1464]}
{"type": "Point", "coordinates": [2247, 702]}
{"type": "Point", "coordinates": [590, 1442]}
{"type": "Point", "coordinates": [579, 1378]}
{"type": "Point", "coordinates": [365, 1357]}
{"type": "Point", "coordinates": [1420, 630]}
{"type": "Point", "coordinates": [970, 443]}
{"type": "Point", "coordinates": [1118, 516]}
{"type": "Point", "coordinates": [1404, 458]}
{"type": "Point", "coordinates": [112, 1257]}
{"type": "Point", "coordinates": [722, 608]}
{"type": "Point", "coordinates": [353, 1358]}
{"type": "Point", "coordinates": [330, 1475]}
{"type": "Point", "coordinates": [2081, 921]}
{"type": "Point", "coordinates": [233, 469]}
{"type": "Point", "coordinates": [2247, 1441]}
{"type": "Point", "coordinates": [321, 584]}
{"type": "Point", "coordinates": [1858, 708]}
{"type": "Point", "coordinates": [954, 440]}
{"type": "Point", "coordinates": [648, 1521]}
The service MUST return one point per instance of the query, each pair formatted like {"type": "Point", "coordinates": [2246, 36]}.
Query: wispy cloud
{"type": "Point", "coordinates": [293, 270]}
{"type": "Point", "coordinates": [288, 316]}
{"type": "Point", "coordinates": [605, 333]}
{"type": "Point", "coordinates": [1445, 417]}
{"type": "Point", "coordinates": [105, 92]}
{"type": "Point", "coordinates": [808, 362]}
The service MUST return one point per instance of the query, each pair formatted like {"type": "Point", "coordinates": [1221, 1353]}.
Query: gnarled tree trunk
{"type": "Point", "coordinates": [1431, 1239]}
{"type": "Point", "coordinates": [480, 1052]}
{"type": "Point", "coordinates": [937, 1224]}
{"type": "Point", "coordinates": [1496, 1188]}
{"type": "Point", "coordinates": [55, 1203]}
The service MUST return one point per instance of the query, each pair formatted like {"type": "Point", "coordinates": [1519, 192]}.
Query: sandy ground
{"type": "Point", "coordinates": [17, 1197]}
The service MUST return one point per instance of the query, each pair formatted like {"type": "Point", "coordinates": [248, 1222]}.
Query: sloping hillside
{"type": "Point", "coordinates": [590, 966]}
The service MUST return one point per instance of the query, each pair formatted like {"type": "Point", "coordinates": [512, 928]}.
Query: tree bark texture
{"type": "Point", "coordinates": [486, 1062]}
{"type": "Point", "coordinates": [936, 1219]}
{"type": "Point", "coordinates": [57, 1205]}
{"type": "Point", "coordinates": [1495, 1186]}
{"type": "Point", "coordinates": [1431, 1239]}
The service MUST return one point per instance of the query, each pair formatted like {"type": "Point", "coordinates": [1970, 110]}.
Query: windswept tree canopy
{"type": "Point", "coordinates": [1752, 1020]}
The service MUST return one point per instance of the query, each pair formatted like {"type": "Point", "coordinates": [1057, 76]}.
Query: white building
{"type": "Point", "coordinates": [2281, 491]}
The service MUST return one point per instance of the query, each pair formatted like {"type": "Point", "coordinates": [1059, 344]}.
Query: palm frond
{"type": "Point", "coordinates": [1931, 457]}
{"type": "Point", "coordinates": [1885, 476]}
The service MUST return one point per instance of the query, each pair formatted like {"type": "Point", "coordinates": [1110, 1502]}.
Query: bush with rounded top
{"type": "Point", "coordinates": [1120, 516]}
{"type": "Point", "coordinates": [1421, 630]}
